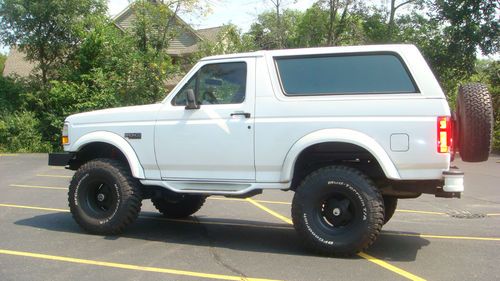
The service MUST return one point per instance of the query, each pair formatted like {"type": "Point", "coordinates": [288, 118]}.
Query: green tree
{"type": "Point", "coordinates": [3, 58]}
{"type": "Point", "coordinates": [47, 31]}
{"type": "Point", "coordinates": [265, 34]}
{"type": "Point", "coordinates": [229, 40]}
{"type": "Point", "coordinates": [468, 25]}
{"type": "Point", "coordinates": [312, 27]}
{"type": "Point", "coordinates": [331, 23]}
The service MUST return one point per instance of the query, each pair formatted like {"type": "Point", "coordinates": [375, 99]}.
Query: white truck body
{"type": "Point", "coordinates": [208, 149]}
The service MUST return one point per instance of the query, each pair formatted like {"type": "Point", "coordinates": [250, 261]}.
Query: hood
{"type": "Point", "coordinates": [119, 114]}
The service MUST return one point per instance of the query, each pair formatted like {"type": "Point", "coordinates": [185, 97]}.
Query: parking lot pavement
{"type": "Point", "coordinates": [237, 239]}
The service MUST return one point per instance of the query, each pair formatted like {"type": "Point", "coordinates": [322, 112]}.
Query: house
{"type": "Point", "coordinates": [185, 44]}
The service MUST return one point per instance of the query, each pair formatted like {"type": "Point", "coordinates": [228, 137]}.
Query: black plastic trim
{"type": "Point", "coordinates": [60, 158]}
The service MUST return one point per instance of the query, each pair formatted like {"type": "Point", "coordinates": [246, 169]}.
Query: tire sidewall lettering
{"type": "Point", "coordinates": [336, 183]}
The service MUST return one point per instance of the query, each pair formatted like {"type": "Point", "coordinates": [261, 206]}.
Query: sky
{"type": "Point", "coordinates": [239, 12]}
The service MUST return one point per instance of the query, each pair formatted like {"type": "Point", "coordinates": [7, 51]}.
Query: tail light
{"type": "Point", "coordinates": [444, 134]}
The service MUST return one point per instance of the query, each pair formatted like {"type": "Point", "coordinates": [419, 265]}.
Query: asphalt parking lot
{"type": "Point", "coordinates": [229, 239]}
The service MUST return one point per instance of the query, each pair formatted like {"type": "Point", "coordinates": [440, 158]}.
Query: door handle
{"type": "Point", "coordinates": [246, 114]}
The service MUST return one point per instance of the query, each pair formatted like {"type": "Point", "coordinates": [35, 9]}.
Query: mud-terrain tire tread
{"type": "Point", "coordinates": [131, 198]}
{"type": "Point", "coordinates": [371, 194]}
{"type": "Point", "coordinates": [475, 122]}
{"type": "Point", "coordinates": [187, 206]}
{"type": "Point", "coordinates": [390, 205]}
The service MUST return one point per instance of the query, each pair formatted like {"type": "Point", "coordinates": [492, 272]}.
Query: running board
{"type": "Point", "coordinates": [218, 188]}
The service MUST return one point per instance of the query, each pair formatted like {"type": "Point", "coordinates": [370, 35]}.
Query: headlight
{"type": "Point", "coordinates": [64, 135]}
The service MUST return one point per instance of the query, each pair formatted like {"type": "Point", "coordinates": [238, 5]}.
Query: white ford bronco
{"type": "Point", "coordinates": [349, 129]}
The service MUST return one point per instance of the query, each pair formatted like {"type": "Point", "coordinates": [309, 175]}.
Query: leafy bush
{"type": "Point", "coordinates": [19, 132]}
{"type": "Point", "coordinates": [11, 93]}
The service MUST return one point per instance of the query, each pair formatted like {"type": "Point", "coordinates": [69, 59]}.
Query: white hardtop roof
{"type": "Point", "coordinates": [313, 51]}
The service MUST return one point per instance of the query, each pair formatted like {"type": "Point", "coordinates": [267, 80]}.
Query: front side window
{"type": "Point", "coordinates": [344, 74]}
{"type": "Point", "coordinates": [222, 83]}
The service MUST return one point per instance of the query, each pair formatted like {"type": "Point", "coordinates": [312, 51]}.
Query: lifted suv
{"type": "Point", "coordinates": [348, 129]}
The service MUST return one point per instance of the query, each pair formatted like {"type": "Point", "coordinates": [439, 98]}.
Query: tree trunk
{"type": "Point", "coordinates": [391, 19]}
{"type": "Point", "coordinates": [342, 24]}
{"type": "Point", "coordinates": [333, 5]}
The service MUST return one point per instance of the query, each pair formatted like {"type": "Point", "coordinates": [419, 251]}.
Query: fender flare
{"type": "Point", "coordinates": [118, 142]}
{"type": "Point", "coordinates": [338, 135]}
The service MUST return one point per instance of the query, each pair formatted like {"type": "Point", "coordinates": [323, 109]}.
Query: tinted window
{"type": "Point", "coordinates": [222, 83]}
{"type": "Point", "coordinates": [346, 74]}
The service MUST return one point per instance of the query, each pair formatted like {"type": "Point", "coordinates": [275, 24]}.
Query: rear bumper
{"type": "Point", "coordinates": [60, 158]}
{"type": "Point", "coordinates": [453, 181]}
{"type": "Point", "coordinates": [451, 185]}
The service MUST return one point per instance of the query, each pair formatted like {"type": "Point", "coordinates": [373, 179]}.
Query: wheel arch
{"type": "Point", "coordinates": [109, 139]}
{"type": "Point", "coordinates": [338, 136]}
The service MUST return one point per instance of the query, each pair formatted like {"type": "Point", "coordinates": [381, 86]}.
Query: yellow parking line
{"type": "Point", "coordinates": [53, 176]}
{"type": "Point", "coordinates": [492, 215]}
{"type": "Point", "coordinates": [38, 186]}
{"type": "Point", "coordinates": [441, 236]}
{"type": "Point", "coordinates": [390, 267]}
{"type": "Point", "coordinates": [33, 208]}
{"type": "Point", "coordinates": [379, 262]}
{"type": "Point", "coordinates": [283, 218]}
{"type": "Point", "coordinates": [420, 212]}
{"type": "Point", "coordinates": [129, 266]}
{"type": "Point", "coordinates": [57, 168]}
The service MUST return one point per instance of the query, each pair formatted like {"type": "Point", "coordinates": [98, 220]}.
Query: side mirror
{"type": "Point", "coordinates": [191, 100]}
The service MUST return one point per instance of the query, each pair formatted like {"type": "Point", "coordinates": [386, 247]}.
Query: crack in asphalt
{"type": "Point", "coordinates": [217, 258]}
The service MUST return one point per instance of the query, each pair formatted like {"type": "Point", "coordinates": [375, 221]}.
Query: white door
{"type": "Point", "coordinates": [214, 142]}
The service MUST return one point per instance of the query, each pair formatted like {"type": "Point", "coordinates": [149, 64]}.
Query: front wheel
{"type": "Point", "coordinates": [337, 211]}
{"type": "Point", "coordinates": [103, 197]}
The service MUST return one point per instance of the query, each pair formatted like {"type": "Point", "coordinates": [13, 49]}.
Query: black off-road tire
{"type": "Point", "coordinates": [121, 197]}
{"type": "Point", "coordinates": [475, 122]}
{"type": "Point", "coordinates": [390, 204]}
{"type": "Point", "coordinates": [179, 206]}
{"type": "Point", "coordinates": [314, 211]}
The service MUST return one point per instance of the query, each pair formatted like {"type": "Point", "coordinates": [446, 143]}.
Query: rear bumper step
{"type": "Point", "coordinates": [453, 181]}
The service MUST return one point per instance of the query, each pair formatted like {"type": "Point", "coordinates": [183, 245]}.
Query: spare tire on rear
{"type": "Point", "coordinates": [474, 122]}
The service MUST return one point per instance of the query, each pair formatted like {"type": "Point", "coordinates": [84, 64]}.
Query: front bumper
{"type": "Point", "coordinates": [60, 158]}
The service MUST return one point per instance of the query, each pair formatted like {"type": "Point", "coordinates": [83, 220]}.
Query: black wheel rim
{"type": "Point", "coordinates": [338, 212]}
{"type": "Point", "coordinates": [99, 198]}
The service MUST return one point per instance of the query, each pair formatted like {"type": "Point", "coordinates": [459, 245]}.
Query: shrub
{"type": "Point", "coordinates": [19, 132]}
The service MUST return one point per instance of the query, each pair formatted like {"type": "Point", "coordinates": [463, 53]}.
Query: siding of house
{"type": "Point", "coordinates": [17, 64]}
{"type": "Point", "coordinates": [183, 43]}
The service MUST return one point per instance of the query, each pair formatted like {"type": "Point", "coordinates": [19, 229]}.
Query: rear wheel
{"type": "Point", "coordinates": [337, 211]}
{"type": "Point", "coordinates": [179, 205]}
{"type": "Point", "coordinates": [103, 197]}
{"type": "Point", "coordinates": [475, 122]}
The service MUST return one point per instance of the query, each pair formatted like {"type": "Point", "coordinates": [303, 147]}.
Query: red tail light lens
{"type": "Point", "coordinates": [444, 134]}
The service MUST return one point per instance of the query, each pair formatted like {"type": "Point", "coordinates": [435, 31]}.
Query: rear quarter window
{"type": "Point", "coordinates": [344, 74]}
